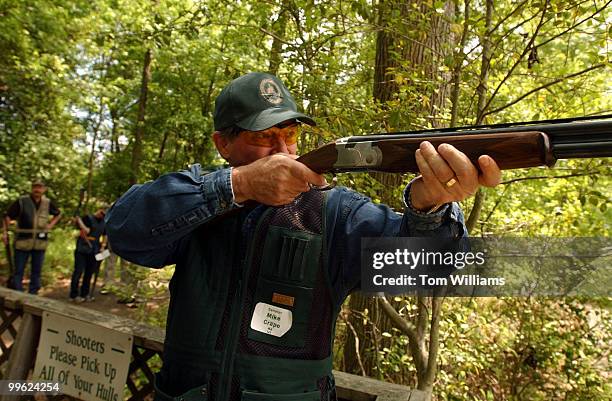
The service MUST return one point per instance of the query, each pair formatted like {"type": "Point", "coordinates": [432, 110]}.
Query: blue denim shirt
{"type": "Point", "coordinates": [148, 223]}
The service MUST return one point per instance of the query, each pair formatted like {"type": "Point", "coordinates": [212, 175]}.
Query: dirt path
{"type": "Point", "coordinates": [103, 303]}
{"type": "Point", "coordinates": [149, 311]}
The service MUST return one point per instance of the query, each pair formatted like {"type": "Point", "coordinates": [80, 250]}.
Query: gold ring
{"type": "Point", "coordinates": [450, 182]}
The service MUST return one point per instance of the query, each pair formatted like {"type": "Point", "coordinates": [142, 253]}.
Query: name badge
{"type": "Point", "coordinates": [272, 320]}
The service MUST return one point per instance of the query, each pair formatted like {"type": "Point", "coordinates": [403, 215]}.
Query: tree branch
{"type": "Point", "coordinates": [497, 203]}
{"type": "Point", "coordinates": [544, 177]}
{"type": "Point", "coordinates": [402, 324]}
{"type": "Point", "coordinates": [434, 340]}
{"type": "Point", "coordinates": [520, 59]}
{"type": "Point", "coordinates": [597, 11]}
{"type": "Point", "coordinates": [350, 326]}
{"type": "Point", "coordinates": [539, 88]}
{"type": "Point", "coordinates": [409, 329]}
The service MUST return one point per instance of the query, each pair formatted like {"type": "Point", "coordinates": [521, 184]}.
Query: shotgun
{"type": "Point", "coordinates": [511, 145]}
{"type": "Point", "coordinates": [10, 281]}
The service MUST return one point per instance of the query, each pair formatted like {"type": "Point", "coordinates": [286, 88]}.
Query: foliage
{"type": "Point", "coordinates": [36, 41]}
{"type": "Point", "coordinates": [542, 205]}
{"type": "Point", "coordinates": [511, 349]}
{"type": "Point", "coordinates": [524, 349]}
{"type": "Point", "coordinates": [59, 255]}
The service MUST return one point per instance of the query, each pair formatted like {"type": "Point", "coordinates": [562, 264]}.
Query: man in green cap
{"type": "Point", "coordinates": [32, 213]}
{"type": "Point", "coordinates": [258, 285]}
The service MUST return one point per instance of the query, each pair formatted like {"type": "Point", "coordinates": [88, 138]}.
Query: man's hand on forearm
{"type": "Point", "coordinates": [53, 222]}
{"type": "Point", "coordinates": [440, 166]}
{"type": "Point", "coordinates": [274, 180]}
{"type": "Point", "coordinates": [84, 229]}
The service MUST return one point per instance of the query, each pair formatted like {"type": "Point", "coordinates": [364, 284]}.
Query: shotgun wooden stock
{"type": "Point", "coordinates": [512, 146]}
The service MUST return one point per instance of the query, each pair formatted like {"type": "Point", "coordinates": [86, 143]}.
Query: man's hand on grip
{"type": "Point", "coordinates": [273, 180]}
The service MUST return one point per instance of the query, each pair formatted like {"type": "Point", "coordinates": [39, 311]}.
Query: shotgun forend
{"type": "Point", "coordinates": [514, 145]}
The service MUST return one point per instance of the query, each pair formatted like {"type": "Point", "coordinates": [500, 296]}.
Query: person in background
{"type": "Point", "coordinates": [91, 228]}
{"type": "Point", "coordinates": [36, 216]}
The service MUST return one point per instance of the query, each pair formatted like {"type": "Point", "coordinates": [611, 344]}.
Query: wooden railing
{"type": "Point", "coordinates": [20, 323]}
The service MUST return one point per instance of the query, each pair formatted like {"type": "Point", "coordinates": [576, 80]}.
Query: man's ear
{"type": "Point", "coordinates": [222, 144]}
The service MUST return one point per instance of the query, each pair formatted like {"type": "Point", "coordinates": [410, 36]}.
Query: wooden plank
{"type": "Point", "coordinates": [23, 352]}
{"type": "Point", "coordinates": [144, 335]}
{"type": "Point", "coordinates": [12, 299]}
{"type": "Point", "coordinates": [359, 388]}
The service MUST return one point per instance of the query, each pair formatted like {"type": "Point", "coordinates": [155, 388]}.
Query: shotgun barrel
{"type": "Point", "coordinates": [512, 145]}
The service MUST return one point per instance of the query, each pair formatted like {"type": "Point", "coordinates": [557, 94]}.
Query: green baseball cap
{"type": "Point", "coordinates": [254, 102]}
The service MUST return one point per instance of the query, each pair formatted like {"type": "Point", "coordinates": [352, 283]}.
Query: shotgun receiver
{"type": "Point", "coordinates": [513, 145]}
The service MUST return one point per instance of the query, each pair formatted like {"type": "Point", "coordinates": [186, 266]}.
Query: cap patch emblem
{"type": "Point", "coordinates": [270, 91]}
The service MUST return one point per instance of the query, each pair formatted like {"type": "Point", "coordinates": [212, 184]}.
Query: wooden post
{"type": "Point", "coordinates": [23, 352]}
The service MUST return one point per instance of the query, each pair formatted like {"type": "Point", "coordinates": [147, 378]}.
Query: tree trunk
{"type": "Point", "coordinates": [481, 92]}
{"type": "Point", "coordinates": [206, 102]}
{"type": "Point", "coordinates": [411, 44]}
{"type": "Point", "coordinates": [90, 165]}
{"type": "Point", "coordinates": [115, 148]}
{"type": "Point", "coordinates": [162, 147]}
{"type": "Point", "coordinates": [92, 154]}
{"type": "Point", "coordinates": [458, 59]}
{"type": "Point", "coordinates": [389, 54]}
{"type": "Point", "coordinates": [140, 122]}
{"type": "Point", "coordinates": [278, 28]}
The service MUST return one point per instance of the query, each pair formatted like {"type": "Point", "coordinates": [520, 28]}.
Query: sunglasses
{"type": "Point", "coordinates": [287, 131]}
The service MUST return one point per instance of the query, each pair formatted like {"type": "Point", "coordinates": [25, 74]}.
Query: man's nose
{"type": "Point", "coordinates": [279, 145]}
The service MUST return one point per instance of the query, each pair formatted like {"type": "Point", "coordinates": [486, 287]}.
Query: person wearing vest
{"type": "Point", "coordinates": [264, 262]}
{"type": "Point", "coordinates": [32, 213]}
{"type": "Point", "coordinates": [91, 228]}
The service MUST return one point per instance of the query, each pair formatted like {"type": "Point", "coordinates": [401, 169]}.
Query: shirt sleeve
{"type": "Point", "coordinates": [448, 221]}
{"type": "Point", "coordinates": [352, 216]}
{"type": "Point", "coordinates": [147, 224]}
{"type": "Point", "coordinates": [86, 220]}
{"type": "Point", "coordinates": [13, 211]}
{"type": "Point", "coordinates": [53, 210]}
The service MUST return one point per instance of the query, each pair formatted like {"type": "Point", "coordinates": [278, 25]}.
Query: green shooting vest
{"type": "Point", "coordinates": [251, 317]}
{"type": "Point", "coordinates": [32, 224]}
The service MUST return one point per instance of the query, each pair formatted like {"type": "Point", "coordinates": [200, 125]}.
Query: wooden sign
{"type": "Point", "coordinates": [88, 361]}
